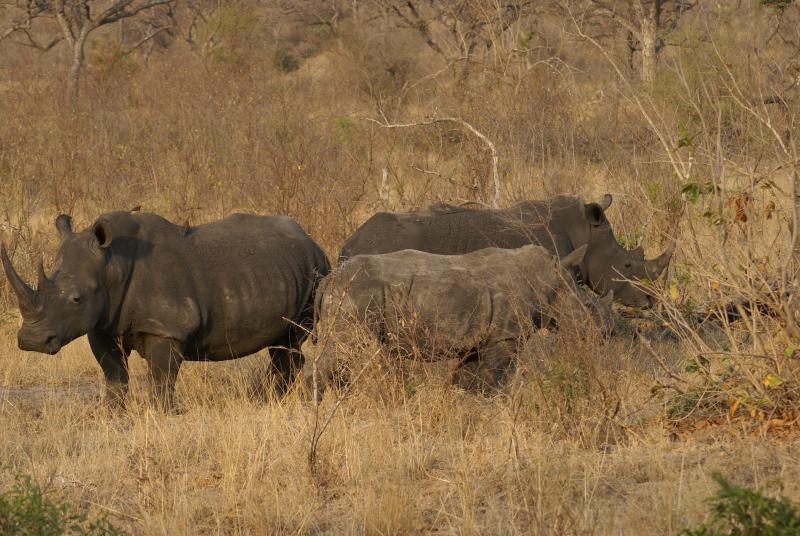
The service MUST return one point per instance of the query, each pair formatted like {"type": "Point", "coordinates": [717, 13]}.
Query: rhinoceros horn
{"type": "Point", "coordinates": [575, 258]}
{"type": "Point", "coordinates": [43, 280]}
{"type": "Point", "coordinates": [25, 294]}
{"type": "Point", "coordinates": [606, 300]}
{"type": "Point", "coordinates": [656, 266]}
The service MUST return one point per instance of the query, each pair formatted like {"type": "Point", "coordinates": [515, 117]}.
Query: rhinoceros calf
{"type": "Point", "coordinates": [474, 307]}
{"type": "Point", "coordinates": [137, 282]}
{"type": "Point", "coordinates": [560, 224]}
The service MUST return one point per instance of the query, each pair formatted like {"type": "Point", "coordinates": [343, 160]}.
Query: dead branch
{"type": "Point", "coordinates": [476, 132]}
{"type": "Point", "coordinates": [149, 37]}
{"type": "Point", "coordinates": [33, 10]}
{"type": "Point", "coordinates": [119, 10]}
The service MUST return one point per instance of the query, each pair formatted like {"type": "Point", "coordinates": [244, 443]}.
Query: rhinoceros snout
{"type": "Point", "coordinates": [47, 343]}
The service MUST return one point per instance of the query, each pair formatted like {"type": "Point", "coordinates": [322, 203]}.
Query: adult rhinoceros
{"type": "Point", "coordinates": [560, 224]}
{"type": "Point", "coordinates": [475, 307]}
{"type": "Point", "coordinates": [134, 281]}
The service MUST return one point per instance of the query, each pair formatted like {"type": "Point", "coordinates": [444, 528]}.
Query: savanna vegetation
{"type": "Point", "coordinates": [328, 110]}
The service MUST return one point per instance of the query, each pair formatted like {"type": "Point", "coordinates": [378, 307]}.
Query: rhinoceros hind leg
{"type": "Point", "coordinates": [487, 369]}
{"type": "Point", "coordinates": [113, 360]}
{"type": "Point", "coordinates": [286, 360]}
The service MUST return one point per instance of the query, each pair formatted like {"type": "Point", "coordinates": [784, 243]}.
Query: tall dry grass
{"type": "Point", "coordinates": [589, 437]}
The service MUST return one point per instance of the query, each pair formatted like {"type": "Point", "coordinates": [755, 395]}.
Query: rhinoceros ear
{"type": "Point", "coordinates": [102, 232]}
{"type": "Point", "coordinates": [114, 225]}
{"type": "Point", "coordinates": [64, 225]}
{"type": "Point", "coordinates": [594, 214]}
{"type": "Point", "coordinates": [575, 258]}
{"type": "Point", "coordinates": [605, 202]}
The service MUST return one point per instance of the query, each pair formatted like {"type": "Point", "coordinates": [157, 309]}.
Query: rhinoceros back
{"type": "Point", "coordinates": [440, 302]}
{"type": "Point", "coordinates": [450, 230]}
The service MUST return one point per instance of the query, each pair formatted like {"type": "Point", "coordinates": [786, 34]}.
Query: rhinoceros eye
{"type": "Point", "coordinates": [75, 298]}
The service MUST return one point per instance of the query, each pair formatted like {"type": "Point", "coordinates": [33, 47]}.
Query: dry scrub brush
{"type": "Point", "coordinates": [731, 143]}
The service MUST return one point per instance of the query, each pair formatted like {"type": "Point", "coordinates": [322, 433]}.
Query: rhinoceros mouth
{"type": "Point", "coordinates": [51, 345]}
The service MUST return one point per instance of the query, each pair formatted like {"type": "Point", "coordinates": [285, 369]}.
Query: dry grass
{"type": "Point", "coordinates": [578, 443]}
{"type": "Point", "coordinates": [435, 460]}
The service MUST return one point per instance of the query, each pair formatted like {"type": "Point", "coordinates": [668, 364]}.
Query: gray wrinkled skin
{"type": "Point", "coordinates": [134, 281]}
{"type": "Point", "coordinates": [474, 307]}
{"type": "Point", "coordinates": [560, 224]}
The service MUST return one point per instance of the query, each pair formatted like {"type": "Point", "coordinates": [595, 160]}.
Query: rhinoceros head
{"type": "Point", "coordinates": [72, 300]}
{"type": "Point", "coordinates": [610, 267]}
{"type": "Point", "coordinates": [579, 308]}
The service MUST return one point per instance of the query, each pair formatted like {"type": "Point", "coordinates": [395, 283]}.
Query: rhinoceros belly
{"type": "Point", "coordinates": [250, 311]}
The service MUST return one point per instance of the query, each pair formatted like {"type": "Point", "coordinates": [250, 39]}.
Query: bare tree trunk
{"type": "Point", "coordinates": [631, 42]}
{"type": "Point", "coordinates": [796, 220]}
{"type": "Point", "coordinates": [74, 75]}
{"type": "Point", "coordinates": [649, 37]}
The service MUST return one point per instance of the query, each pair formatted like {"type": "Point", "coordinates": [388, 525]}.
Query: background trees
{"type": "Point", "coordinates": [76, 19]}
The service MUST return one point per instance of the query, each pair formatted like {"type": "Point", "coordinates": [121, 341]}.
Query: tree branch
{"type": "Point", "coordinates": [33, 43]}
{"type": "Point", "coordinates": [144, 40]}
{"type": "Point", "coordinates": [118, 11]}
{"type": "Point", "coordinates": [66, 27]}
{"type": "Point", "coordinates": [476, 132]}
{"type": "Point", "coordinates": [33, 11]}
{"type": "Point", "coordinates": [610, 13]}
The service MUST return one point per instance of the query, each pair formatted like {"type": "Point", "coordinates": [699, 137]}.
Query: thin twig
{"type": "Point", "coordinates": [318, 431]}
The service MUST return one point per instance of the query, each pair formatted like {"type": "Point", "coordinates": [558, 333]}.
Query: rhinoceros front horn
{"type": "Point", "coordinates": [25, 294]}
{"type": "Point", "coordinates": [660, 263]}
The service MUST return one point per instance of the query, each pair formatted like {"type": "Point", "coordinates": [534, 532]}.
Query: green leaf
{"type": "Point", "coordinates": [772, 381]}
{"type": "Point", "coordinates": [778, 5]}
{"type": "Point", "coordinates": [652, 188]}
{"type": "Point", "coordinates": [790, 350]}
{"type": "Point", "coordinates": [692, 191]}
{"type": "Point", "coordinates": [684, 138]}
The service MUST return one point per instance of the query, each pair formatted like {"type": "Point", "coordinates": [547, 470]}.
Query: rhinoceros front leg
{"type": "Point", "coordinates": [164, 357]}
{"type": "Point", "coordinates": [113, 361]}
{"type": "Point", "coordinates": [487, 369]}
